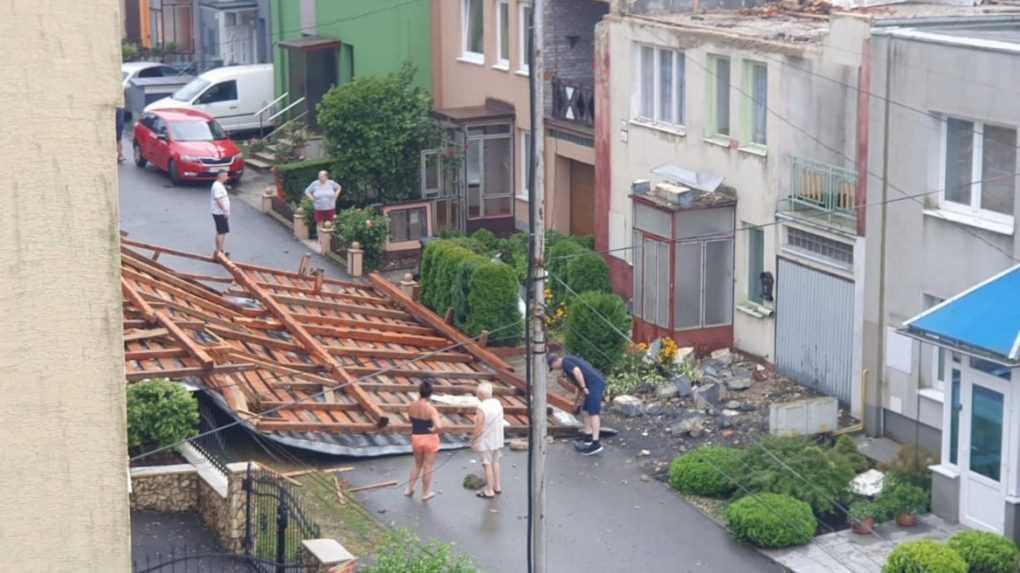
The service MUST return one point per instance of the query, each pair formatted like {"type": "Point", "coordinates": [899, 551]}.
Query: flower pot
{"type": "Point", "coordinates": [864, 526]}
{"type": "Point", "coordinates": [906, 519]}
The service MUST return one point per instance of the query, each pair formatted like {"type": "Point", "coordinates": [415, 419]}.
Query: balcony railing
{"type": "Point", "coordinates": [820, 189]}
{"type": "Point", "coordinates": [573, 101]}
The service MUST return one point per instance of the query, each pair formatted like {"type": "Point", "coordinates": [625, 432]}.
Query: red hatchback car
{"type": "Point", "coordinates": [188, 144]}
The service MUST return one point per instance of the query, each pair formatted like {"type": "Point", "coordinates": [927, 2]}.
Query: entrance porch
{"type": "Point", "coordinates": [977, 482]}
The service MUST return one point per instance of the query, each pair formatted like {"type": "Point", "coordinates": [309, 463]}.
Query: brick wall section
{"type": "Point", "coordinates": [225, 516]}
{"type": "Point", "coordinates": [565, 18]}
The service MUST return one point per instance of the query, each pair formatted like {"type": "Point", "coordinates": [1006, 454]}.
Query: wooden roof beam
{"type": "Point", "coordinates": [413, 328]}
{"type": "Point", "coordinates": [334, 407]}
{"type": "Point", "coordinates": [187, 372]}
{"type": "Point", "coordinates": [310, 344]}
{"type": "Point", "coordinates": [334, 295]}
{"type": "Point", "coordinates": [340, 306]}
{"type": "Point", "coordinates": [189, 344]}
{"type": "Point", "coordinates": [409, 373]}
{"type": "Point", "coordinates": [390, 354]}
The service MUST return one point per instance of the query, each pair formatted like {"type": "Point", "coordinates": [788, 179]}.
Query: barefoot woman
{"type": "Point", "coordinates": [424, 441]}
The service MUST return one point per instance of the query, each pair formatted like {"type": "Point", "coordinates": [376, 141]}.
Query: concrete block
{"type": "Point", "coordinates": [804, 417]}
{"type": "Point", "coordinates": [945, 494]}
{"type": "Point", "coordinates": [327, 551]}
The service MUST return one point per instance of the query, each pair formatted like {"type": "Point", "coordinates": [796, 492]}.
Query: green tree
{"type": "Point", "coordinates": [597, 326]}
{"type": "Point", "coordinates": [376, 128]}
{"type": "Point", "coordinates": [160, 413]}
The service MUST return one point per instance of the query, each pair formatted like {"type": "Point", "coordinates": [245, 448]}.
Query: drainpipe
{"type": "Point", "coordinates": [880, 369]}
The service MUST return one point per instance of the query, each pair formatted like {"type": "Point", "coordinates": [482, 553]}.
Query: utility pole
{"type": "Point", "coordinates": [537, 349]}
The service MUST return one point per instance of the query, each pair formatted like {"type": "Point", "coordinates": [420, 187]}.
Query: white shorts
{"type": "Point", "coordinates": [490, 457]}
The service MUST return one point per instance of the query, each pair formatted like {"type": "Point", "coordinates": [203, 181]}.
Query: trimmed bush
{"type": "Point", "coordinates": [924, 556]}
{"type": "Point", "coordinates": [160, 413]}
{"type": "Point", "coordinates": [367, 227]}
{"type": "Point", "coordinates": [799, 468]}
{"type": "Point", "coordinates": [588, 272]}
{"type": "Point", "coordinates": [588, 334]}
{"type": "Point", "coordinates": [461, 294]}
{"type": "Point", "coordinates": [493, 304]}
{"type": "Point", "coordinates": [295, 177]}
{"type": "Point", "coordinates": [487, 239]}
{"type": "Point", "coordinates": [557, 258]}
{"type": "Point", "coordinates": [985, 552]}
{"type": "Point", "coordinates": [771, 520]}
{"type": "Point", "coordinates": [703, 471]}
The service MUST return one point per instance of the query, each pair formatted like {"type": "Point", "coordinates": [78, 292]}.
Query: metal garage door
{"type": "Point", "coordinates": [814, 329]}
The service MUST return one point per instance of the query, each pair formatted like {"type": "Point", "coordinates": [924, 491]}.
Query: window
{"type": "Point", "coordinates": [525, 164]}
{"type": "Point", "coordinates": [503, 33]}
{"type": "Point", "coordinates": [991, 368]}
{"type": "Point", "coordinates": [223, 91]}
{"type": "Point", "coordinates": [938, 354]}
{"type": "Point", "coordinates": [979, 168]}
{"type": "Point", "coordinates": [525, 24]}
{"type": "Point", "coordinates": [718, 82]}
{"type": "Point", "coordinates": [474, 31]}
{"type": "Point", "coordinates": [659, 85]}
{"type": "Point", "coordinates": [756, 108]}
{"type": "Point", "coordinates": [755, 262]}
{"type": "Point", "coordinates": [833, 251]}
{"type": "Point", "coordinates": [489, 171]}
{"type": "Point", "coordinates": [408, 224]}
{"type": "Point", "coordinates": [954, 417]}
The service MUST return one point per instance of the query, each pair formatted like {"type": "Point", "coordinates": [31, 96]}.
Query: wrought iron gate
{"type": "Point", "coordinates": [275, 523]}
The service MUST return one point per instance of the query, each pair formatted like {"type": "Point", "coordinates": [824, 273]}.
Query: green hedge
{"type": "Point", "coordinates": [365, 226]}
{"type": "Point", "coordinates": [704, 471]}
{"type": "Point", "coordinates": [482, 293]}
{"type": "Point", "coordinates": [588, 272]}
{"type": "Point", "coordinates": [985, 552]}
{"type": "Point", "coordinates": [924, 556]}
{"type": "Point", "coordinates": [558, 256]}
{"type": "Point", "coordinates": [160, 413]}
{"type": "Point", "coordinates": [771, 520]}
{"type": "Point", "coordinates": [588, 334]}
{"type": "Point", "coordinates": [295, 177]}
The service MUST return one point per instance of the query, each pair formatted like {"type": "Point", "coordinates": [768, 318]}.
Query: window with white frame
{"type": "Point", "coordinates": [937, 379]}
{"type": "Point", "coordinates": [756, 107]}
{"type": "Point", "coordinates": [524, 24]}
{"type": "Point", "coordinates": [473, 26]}
{"type": "Point", "coordinates": [503, 32]}
{"type": "Point", "coordinates": [659, 85]}
{"type": "Point", "coordinates": [718, 83]}
{"type": "Point", "coordinates": [525, 164]}
{"type": "Point", "coordinates": [979, 169]}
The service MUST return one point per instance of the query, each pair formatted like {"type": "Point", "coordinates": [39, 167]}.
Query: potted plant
{"type": "Point", "coordinates": [863, 514]}
{"type": "Point", "coordinates": [905, 501]}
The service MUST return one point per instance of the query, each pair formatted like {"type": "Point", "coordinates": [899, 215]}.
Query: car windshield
{"type": "Point", "coordinates": [198, 130]}
{"type": "Point", "coordinates": [191, 89]}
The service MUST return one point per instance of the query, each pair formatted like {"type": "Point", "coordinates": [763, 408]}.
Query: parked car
{"type": "Point", "coordinates": [131, 70]}
{"type": "Point", "coordinates": [231, 94]}
{"type": "Point", "coordinates": [188, 144]}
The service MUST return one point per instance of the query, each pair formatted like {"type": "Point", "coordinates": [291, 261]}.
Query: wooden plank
{"type": "Point", "coordinates": [349, 284]}
{"type": "Point", "coordinates": [204, 302]}
{"type": "Point", "coordinates": [341, 307]}
{"type": "Point", "coordinates": [339, 491]}
{"type": "Point", "coordinates": [177, 373]}
{"type": "Point", "coordinates": [409, 373]}
{"type": "Point", "coordinates": [196, 351]}
{"type": "Point", "coordinates": [376, 336]}
{"type": "Point", "coordinates": [334, 407]}
{"type": "Point", "coordinates": [499, 366]}
{"type": "Point", "coordinates": [398, 354]}
{"type": "Point", "coordinates": [411, 328]}
{"type": "Point", "coordinates": [325, 293]}
{"type": "Point", "coordinates": [143, 334]}
{"type": "Point", "coordinates": [437, 389]}
{"type": "Point", "coordinates": [254, 338]}
{"type": "Point", "coordinates": [355, 428]}
{"type": "Point", "coordinates": [311, 345]}
{"type": "Point", "coordinates": [132, 296]}
{"type": "Point", "coordinates": [155, 354]}
{"type": "Point", "coordinates": [300, 473]}
{"type": "Point", "coordinates": [380, 485]}
{"type": "Point", "coordinates": [318, 381]}
{"type": "Point", "coordinates": [159, 249]}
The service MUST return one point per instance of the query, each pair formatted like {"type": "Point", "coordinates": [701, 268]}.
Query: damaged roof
{"type": "Point", "coordinates": [304, 360]}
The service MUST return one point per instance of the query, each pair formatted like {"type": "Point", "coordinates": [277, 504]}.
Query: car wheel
{"type": "Point", "coordinates": [171, 169]}
{"type": "Point", "coordinates": [139, 158]}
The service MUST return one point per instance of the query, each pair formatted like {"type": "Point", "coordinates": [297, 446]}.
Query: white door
{"type": "Point", "coordinates": [983, 447]}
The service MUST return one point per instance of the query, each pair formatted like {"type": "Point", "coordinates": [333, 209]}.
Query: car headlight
{"type": "Point", "coordinates": [191, 158]}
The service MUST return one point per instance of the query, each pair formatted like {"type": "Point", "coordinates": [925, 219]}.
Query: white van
{"type": "Point", "coordinates": [231, 94]}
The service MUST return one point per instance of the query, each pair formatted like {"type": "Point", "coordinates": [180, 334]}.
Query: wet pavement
{"type": "Point", "coordinates": [601, 516]}
{"type": "Point", "coordinates": [170, 542]}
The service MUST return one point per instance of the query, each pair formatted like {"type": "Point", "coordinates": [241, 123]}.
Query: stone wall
{"type": "Point", "coordinates": [168, 489]}
{"type": "Point", "coordinates": [224, 515]}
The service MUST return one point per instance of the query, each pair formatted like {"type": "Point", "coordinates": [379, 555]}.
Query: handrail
{"type": "Point", "coordinates": [284, 124]}
{"type": "Point", "coordinates": [285, 110]}
{"type": "Point", "coordinates": [272, 103]}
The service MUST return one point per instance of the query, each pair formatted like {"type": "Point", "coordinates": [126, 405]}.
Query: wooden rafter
{"type": "Point", "coordinates": [187, 372]}
{"type": "Point", "coordinates": [340, 306]}
{"type": "Point", "coordinates": [310, 344]}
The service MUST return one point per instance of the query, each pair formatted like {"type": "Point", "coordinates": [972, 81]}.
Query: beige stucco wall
{"type": "Point", "coordinates": [63, 460]}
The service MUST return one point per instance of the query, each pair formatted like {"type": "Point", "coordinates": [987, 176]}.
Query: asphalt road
{"type": "Point", "coordinates": [601, 516]}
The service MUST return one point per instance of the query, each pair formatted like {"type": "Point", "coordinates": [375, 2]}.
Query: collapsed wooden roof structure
{"type": "Point", "coordinates": [304, 360]}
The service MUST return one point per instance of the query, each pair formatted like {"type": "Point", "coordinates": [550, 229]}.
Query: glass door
{"type": "Point", "coordinates": [983, 422]}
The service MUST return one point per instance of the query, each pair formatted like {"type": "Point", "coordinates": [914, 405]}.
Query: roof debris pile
{"type": "Point", "coordinates": [305, 360]}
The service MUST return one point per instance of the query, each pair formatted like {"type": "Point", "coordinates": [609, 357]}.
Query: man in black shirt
{"type": "Point", "coordinates": [593, 384]}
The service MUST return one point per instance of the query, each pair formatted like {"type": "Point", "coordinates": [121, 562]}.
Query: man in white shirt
{"type": "Point", "coordinates": [219, 204]}
{"type": "Point", "coordinates": [488, 439]}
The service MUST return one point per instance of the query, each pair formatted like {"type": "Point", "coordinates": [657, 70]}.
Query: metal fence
{"type": "Point", "coordinates": [185, 560]}
{"type": "Point", "coordinates": [824, 188]}
{"type": "Point", "coordinates": [276, 522]}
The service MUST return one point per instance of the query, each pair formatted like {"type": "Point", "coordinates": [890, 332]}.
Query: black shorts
{"type": "Point", "coordinates": [222, 224]}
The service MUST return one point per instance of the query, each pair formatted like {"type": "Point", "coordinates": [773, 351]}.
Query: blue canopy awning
{"type": "Point", "coordinates": [985, 319]}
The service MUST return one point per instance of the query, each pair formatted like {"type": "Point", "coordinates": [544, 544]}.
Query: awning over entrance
{"type": "Point", "coordinates": [491, 109]}
{"type": "Point", "coordinates": [984, 319]}
{"type": "Point", "coordinates": [310, 43]}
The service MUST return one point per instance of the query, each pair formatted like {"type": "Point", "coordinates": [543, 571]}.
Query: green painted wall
{"type": "Point", "coordinates": [384, 34]}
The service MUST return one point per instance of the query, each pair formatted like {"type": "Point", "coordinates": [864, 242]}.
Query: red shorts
{"type": "Point", "coordinates": [425, 443]}
{"type": "Point", "coordinates": [325, 215]}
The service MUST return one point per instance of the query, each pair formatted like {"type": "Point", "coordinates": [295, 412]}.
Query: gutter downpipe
{"type": "Point", "coordinates": [880, 368]}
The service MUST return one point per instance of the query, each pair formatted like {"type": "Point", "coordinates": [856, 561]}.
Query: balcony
{"type": "Point", "coordinates": [573, 101]}
{"type": "Point", "coordinates": [823, 193]}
